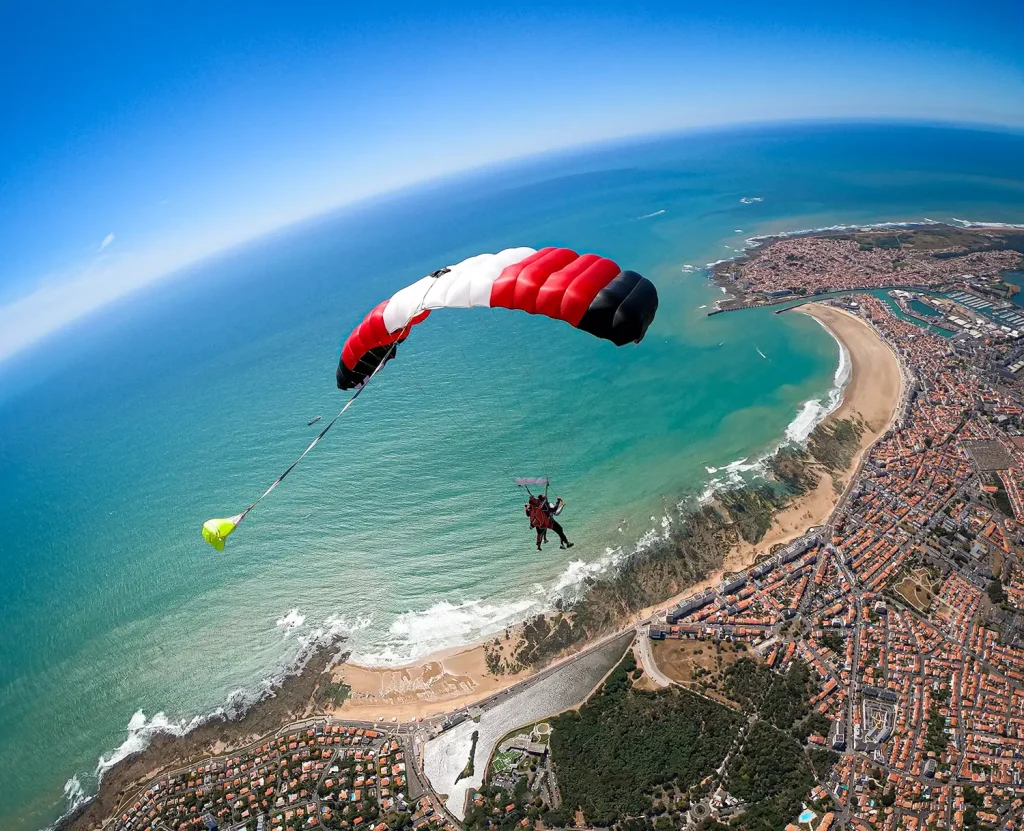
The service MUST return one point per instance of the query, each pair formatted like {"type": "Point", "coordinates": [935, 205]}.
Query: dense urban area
{"type": "Point", "coordinates": [868, 675]}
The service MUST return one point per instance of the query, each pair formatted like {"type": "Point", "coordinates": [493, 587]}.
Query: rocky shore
{"type": "Point", "coordinates": [297, 696]}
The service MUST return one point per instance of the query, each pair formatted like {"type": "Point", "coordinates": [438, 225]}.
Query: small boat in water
{"type": "Point", "coordinates": [313, 421]}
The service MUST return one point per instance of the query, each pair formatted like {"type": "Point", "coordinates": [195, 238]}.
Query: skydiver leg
{"type": "Point", "coordinates": [561, 534]}
{"type": "Point", "coordinates": [540, 537]}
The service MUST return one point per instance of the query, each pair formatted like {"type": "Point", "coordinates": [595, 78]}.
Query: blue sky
{"type": "Point", "coordinates": [138, 137]}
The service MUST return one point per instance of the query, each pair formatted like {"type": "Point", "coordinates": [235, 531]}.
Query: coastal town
{"type": "Point", "coordinates": [318, 775]}
{"type": "Point", "coordinates": [882, 649]}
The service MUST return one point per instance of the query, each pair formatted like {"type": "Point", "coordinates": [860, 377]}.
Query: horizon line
{"type": "Point", "coordinates": [426, 183]}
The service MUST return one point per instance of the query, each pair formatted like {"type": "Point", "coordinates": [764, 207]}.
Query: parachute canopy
{"type": "Point", "coordinates": [589, 292]}
{"type": "Point", "coordinates": [215, 531]}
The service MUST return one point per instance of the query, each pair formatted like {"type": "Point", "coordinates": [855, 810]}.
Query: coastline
{"type": "Point", "coordinates": [459, 677]}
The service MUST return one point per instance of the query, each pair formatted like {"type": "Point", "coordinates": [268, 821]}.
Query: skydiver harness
{"type": "Point", "coordinates": [538, 513]}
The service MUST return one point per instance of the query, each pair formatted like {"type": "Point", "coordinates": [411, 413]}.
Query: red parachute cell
{"type": "Point", "coordinates": [588, 292]}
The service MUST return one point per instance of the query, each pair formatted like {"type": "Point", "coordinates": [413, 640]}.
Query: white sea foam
{"type": "Point", "coordinates": [444, 625]}
{"type": "Point", "coordinates": [703, 307]}
{"type": "Point", "coordinates": [572, 582]}
{"type": "Point", "coordinates": [750, 200]}
{"type": "Point", "coordinates": [74, 793]}
{"type": "Point", "coordinates": [806, 420]}
{"type": "Point", "coordinates": [759, 352]}
{"type": "Point", "coordinates": [969, 223]}
{"type": "Point", "coordinates": [648, 216]}
{"type": "Point", "coordinates": [293, 620]}
{"type": "Point", "coordinates": [813, 412]}
{"type": "Point", "coordinates": [141, 731]}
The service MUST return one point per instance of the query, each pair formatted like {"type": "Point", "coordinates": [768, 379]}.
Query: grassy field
{"type": "Point", "coordinates": [699, 665]}
{"type": "Point", "coordinates": [918, 589]}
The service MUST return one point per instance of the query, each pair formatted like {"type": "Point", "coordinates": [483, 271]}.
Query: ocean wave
{"type": "Point", "coordinates": [816, 410]}
{"type": "Point", "coordinates": [968, 223]}
{"type": "Point", "coordinates": [443, 626]}
{"type": "Point", "coordinates": [572, 583]}
{"type": "Point", "coordinates": [74, 793]}
{"type": "Point", "coordinates": [648, 216]}
{"type": "Point", "coordinates": [750, 200]}
{"type": "Point", "coordinates": [733, 475]}
{"type": "Point", "coordinates": [141, 732]}
{"type": "Point", "coordinates": [293, 620]}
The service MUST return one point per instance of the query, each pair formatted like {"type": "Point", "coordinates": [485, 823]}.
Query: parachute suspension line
{"type": "Point", "coordinates": [506, 459]}
{"type": "Point", "coordinates": [509, 467]}
{"type": "Point", "coordinates": [216, 531]}
{"type": "Point", "coordinates": [312, 444]}
{"type": "Point", "coordinates": [522, 366]}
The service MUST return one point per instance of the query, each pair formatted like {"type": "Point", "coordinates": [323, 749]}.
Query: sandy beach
{"type": "Point", "coordinates": [459, 677]}
{"type": "Point", "coordinates": [872, 396]}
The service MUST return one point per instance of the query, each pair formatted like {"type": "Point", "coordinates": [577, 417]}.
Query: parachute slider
{"type": "Point", "coordinates": [525, 481]}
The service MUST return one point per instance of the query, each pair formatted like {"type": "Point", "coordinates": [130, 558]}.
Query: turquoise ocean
{"type": "Point", "coordinates": [120, 435]}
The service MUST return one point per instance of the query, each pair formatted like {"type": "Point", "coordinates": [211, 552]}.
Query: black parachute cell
{"type": "Point", "coordinates": [622, 310]}
{"type": "Point", "coordinates": [351, 378]}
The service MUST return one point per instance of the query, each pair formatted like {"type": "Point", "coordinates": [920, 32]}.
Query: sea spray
{"type": "Point", "coordinates": [291, 621]}
{"type": "Point", "coordinates": [142, 730]}
{"type": "Point", "coordinates": [74, 793]}
{"type": "Point", "coordinates": [442, 626]}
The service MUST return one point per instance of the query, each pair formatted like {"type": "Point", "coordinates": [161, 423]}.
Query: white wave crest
{"type": "Point", "coordinates": [141, 731]}
{"type": "Point", "coordinates": [572, 583]}
{"type": "Point", "coordinates": [969, 223]}
{"type": "Point", "coordinates": [445, 625]}
{"type": "Point", "coordinates": [74, 793]}
{"type": "Point", "coordinates": [293, 620]}
{"type": "Point", "coordinates": [750, 200]}
{"type": "Point", "coordinates": [813, 412]}
{"type": "Point", "coordinates": [648, 216]}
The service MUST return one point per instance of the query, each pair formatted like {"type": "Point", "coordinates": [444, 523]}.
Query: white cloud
{"type": "Point", "coordinates": [62, 298]}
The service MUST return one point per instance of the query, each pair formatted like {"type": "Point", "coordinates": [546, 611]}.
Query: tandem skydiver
{"type": "Point", "coordinates": [542, 517]}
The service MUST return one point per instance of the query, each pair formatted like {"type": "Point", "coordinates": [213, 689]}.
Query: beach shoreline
{"type": "Point", "coordinates": [459, 677]}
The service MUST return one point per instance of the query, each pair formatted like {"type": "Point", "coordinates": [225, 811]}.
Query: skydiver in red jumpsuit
{"type": "Point", "coordinates": [542, 517]}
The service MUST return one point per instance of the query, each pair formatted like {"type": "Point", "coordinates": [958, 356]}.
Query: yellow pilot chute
{"type": "Point", "coordinates": [215, 531]}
